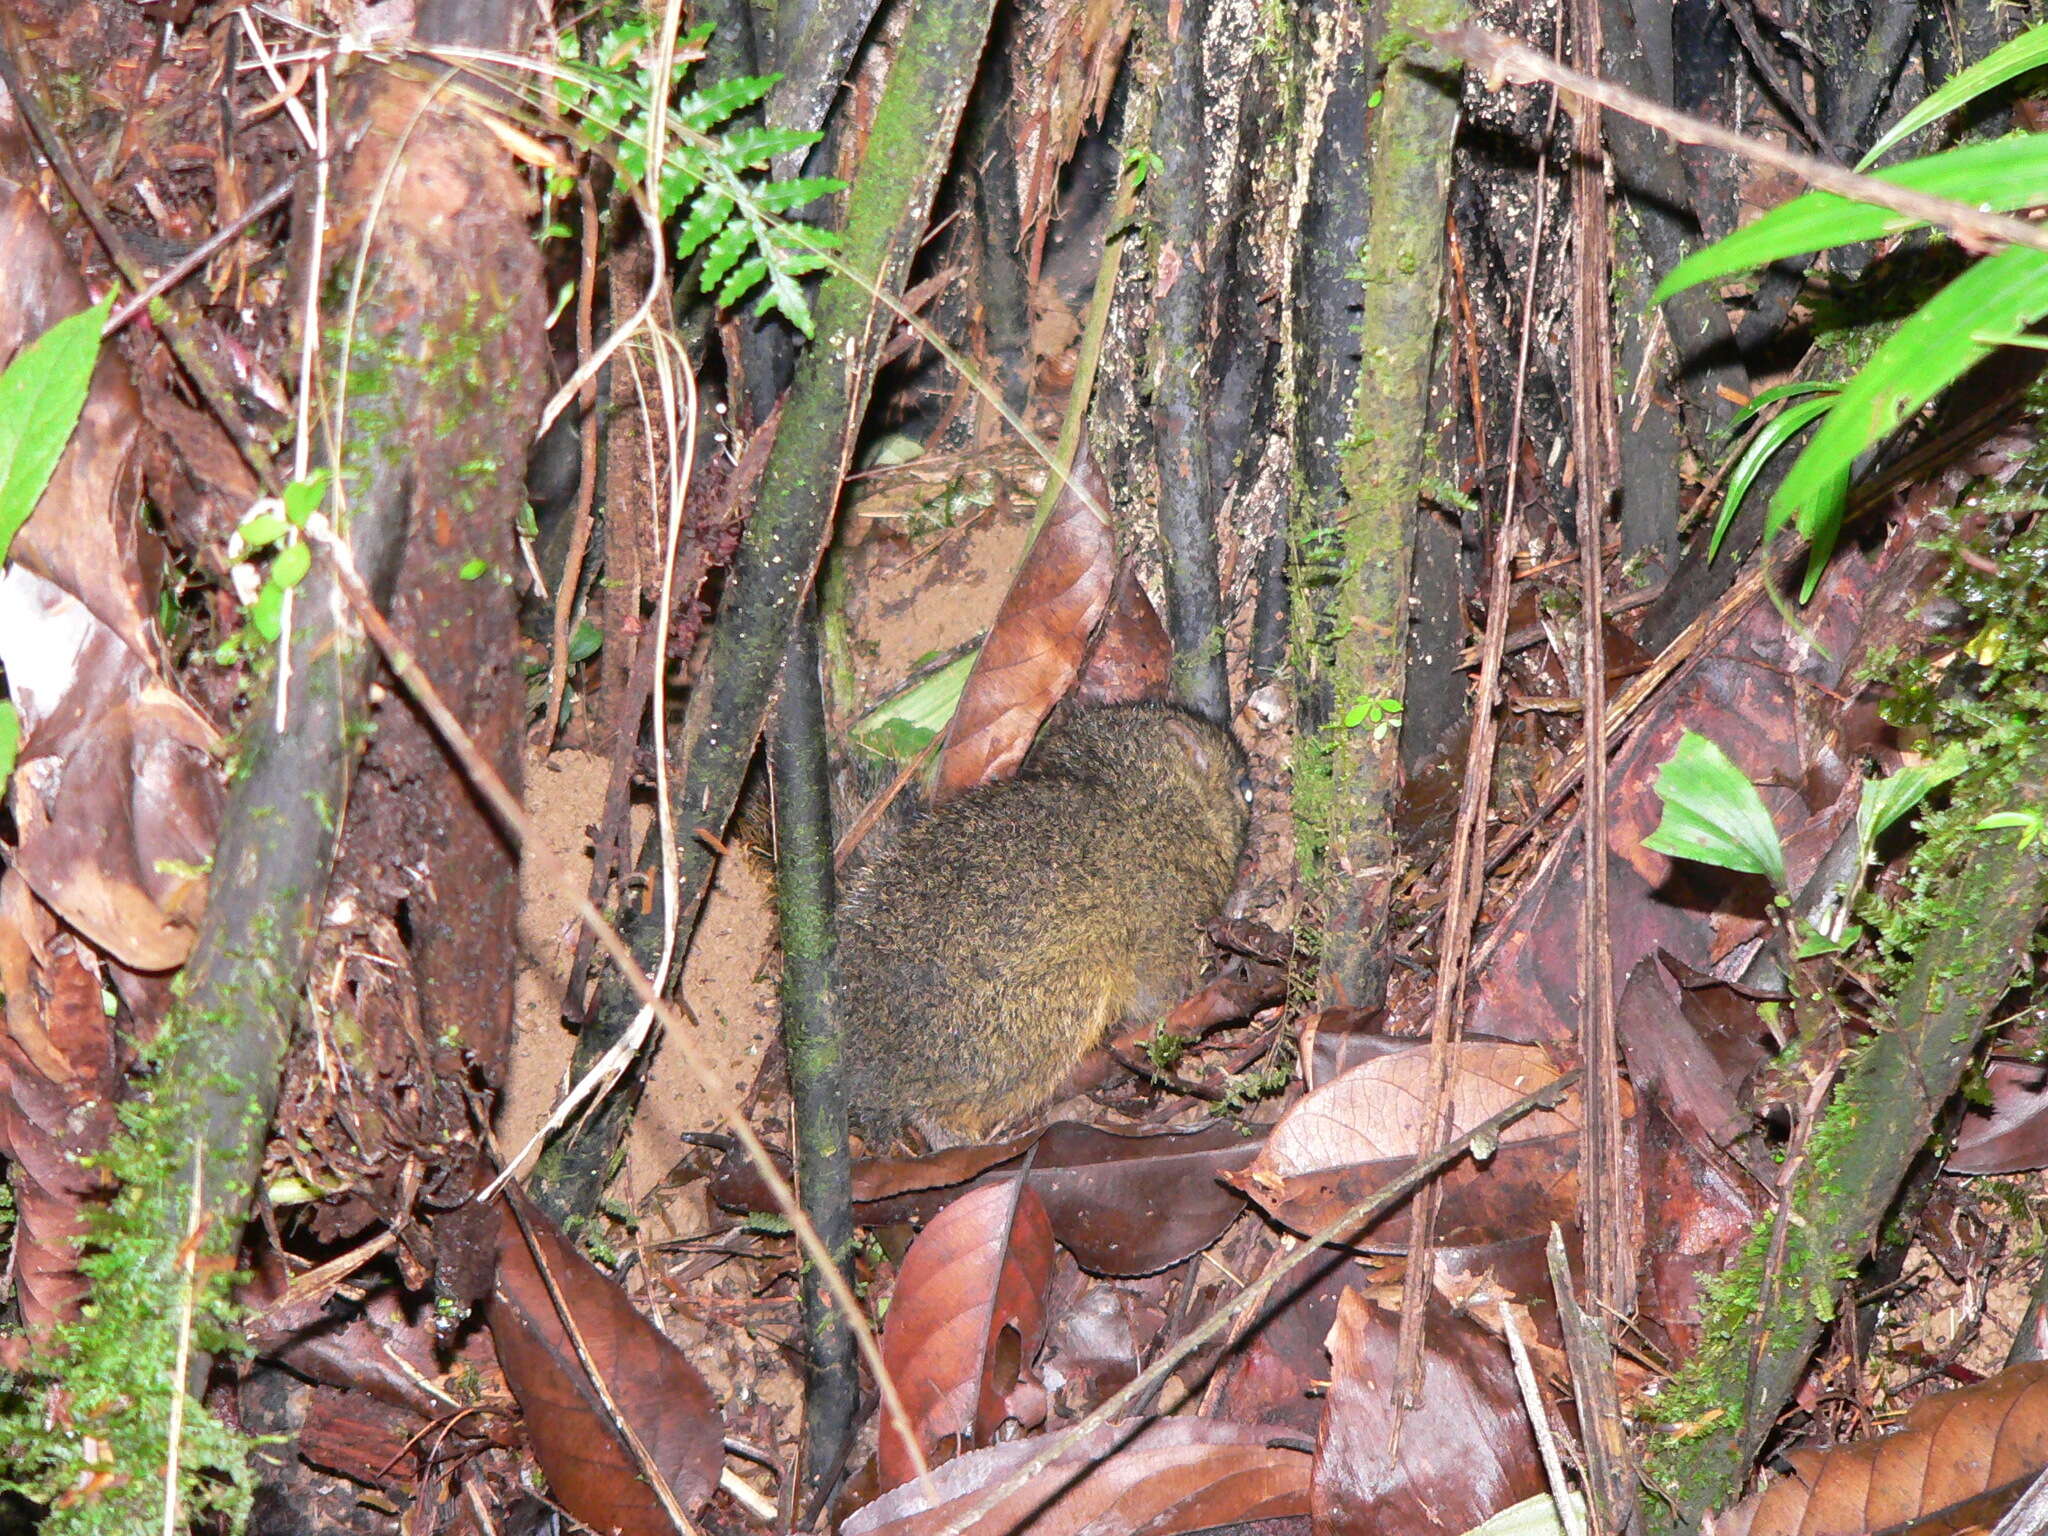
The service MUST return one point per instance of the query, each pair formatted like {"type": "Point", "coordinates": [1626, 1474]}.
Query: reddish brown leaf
{"type": "Point", "coordinates": [1465, 1453]}
{"type": "Point", "coordinates": [1132, 658]}
{"type": "Point", "coordinates": [1152, 1478]}
{"type": "Point", "coordinates": [1960, 1457]}
{"type": "Point", "coordinates": [1122, 1205]}
{"type": "Point", "coordinates": [1034, 649]}
{"type": "Point", "coordinates": [116, 799]}
{"type": "Point", "coordinates": [60, 1081]}
{"type": "Point", "coordinates": [965, 1324]}
{"type": "Point", "coordinates": [591, 1470]}
{"type": "Point", "coordinates": [118, 823]}
{"type": "Point", "coordinates": [1365, 1128]}
{"type": "Point", "coordinates": [2011, 1134]}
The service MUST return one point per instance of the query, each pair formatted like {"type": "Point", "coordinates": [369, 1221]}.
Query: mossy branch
{"type": "Point", "coordinates": [814, 1036]}
{"type": "Point", "coordinates": [1381, 466]}
{"type": "Point", "coordinates": [1993, 896]}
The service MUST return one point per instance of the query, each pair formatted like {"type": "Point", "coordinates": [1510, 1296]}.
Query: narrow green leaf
{"type": "Point", "coordinates": [1713, 815]}
{"type": "Point", "coordinates": [2028, 824]}
{"type": "Point", "coordinates": [723, 254]}
{"type": "Point", "coordinates": [748, 273]}
{"type": "Point", "coordinates": [1774, 434]}
{"type": "Point", "coordinates": [708, 215]}
{"type": "Point", "coordinates": [1932, 348]}
{"type": "Point", "coordinates": [2027, 51]}
{"type": "Point", "coordinates": [42, 394]}
{"type": "Point", "coordinates": [704, 110]}
{"type": "Point", "coordinates": [1773, 395]}
{"type": "Point", "coordinates": [10, 741]}
{"type": "Point", "coordinates": [746, 148]}
{"type": "Point", "coordinates": [1997, 177]}
{"type": "Point", "coordinates": [900, 726]}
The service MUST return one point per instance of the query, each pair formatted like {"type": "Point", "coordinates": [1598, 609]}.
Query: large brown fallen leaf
{"type": "Point", "coordinates": [964, 1325]}
{"type": "Point", "coordinates": [1364, 1129]}
{"type": "Point", "coordinates": [1465, 1452]}
{"type": "Point", "coordinates": [1122, 1205]}
{"type": "Point", "coordinates": [1958, 1461]}
{"type": "Point", "coordinates": [1152, 1478]}
{"type": "Point", "coordinates": [1034, 649]}
{"type": "Point", "coordinates": [592, 1472]}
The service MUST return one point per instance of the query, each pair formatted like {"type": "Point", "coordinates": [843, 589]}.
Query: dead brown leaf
{"type": "Point", "coordinates": [1365, 1129]}
{"type": "Point", "coordinates": [1034, 649]}
{"type": "Point", "coordinates": [1152, 1478]}
{"type": "Point", "coordinates": [965, 1324]}
{"type": "Point", "coordinates": [591, 1470]}
{"type": "Point", "coordinates": [1465, 1452]}
{"type": "Point", "coordinates": [1959, 1459]}
{"type": "Point", "coordinates": [1121, 1204]}
{"type": "Point", "coordinates": [1132, 658]}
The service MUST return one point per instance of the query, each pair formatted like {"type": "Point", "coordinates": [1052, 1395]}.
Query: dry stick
{"type": "Point", "coordinates": [1468, 841]}
{"type": "Point", "coordinates": [1610, 1480]}
{"type": "Point", "coordinates": [201, 256]}
{"type": "Point", "coordinates": [483, 778]}
{"type": "Point", "coordinates": [586, 474]}
{"type": "Point", "coordinates": [1590, 1355]}
{"type": "Point", "coordinates": [1569, 1514]}
{"type": "Point", "coordinates": [1483, 1137]}
{"type": "Point", "coordinates": [1503, 59]}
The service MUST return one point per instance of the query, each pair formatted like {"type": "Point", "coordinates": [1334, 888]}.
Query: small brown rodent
{"type": "Point", "coordinates": [1008, 931]}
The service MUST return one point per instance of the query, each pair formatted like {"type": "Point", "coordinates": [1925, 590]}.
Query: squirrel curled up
{"type": "Point", "coordinates": [1009, 931]}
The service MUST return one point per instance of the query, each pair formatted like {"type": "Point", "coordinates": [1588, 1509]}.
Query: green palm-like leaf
{"type": "Point", "coordinates": [1996, 177]}
{"type": "Point", "coordinates": [1930, 350]}
{"type": "Point", "coordinates": [1774, 434]}
{"type": "Point", "coordinates": [1773, 395]}
{"type": "Point", "coordinates": [2026, 52]}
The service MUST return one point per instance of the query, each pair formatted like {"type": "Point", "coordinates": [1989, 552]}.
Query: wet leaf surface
{"type": "Point", "coordinates": [1464, 1453]}
{"type": "Point", "coordinates": [966, 1324]}
{"type": "Point", "coordinates": [590, 1468]}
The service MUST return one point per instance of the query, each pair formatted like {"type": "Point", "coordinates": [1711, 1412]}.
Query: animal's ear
{"type": "Point", "coordinates": [1199, 739]}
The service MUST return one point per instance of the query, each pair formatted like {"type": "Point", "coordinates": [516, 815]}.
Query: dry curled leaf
{"type": "Point", "coordinates": [965, 1324]}
{"type": "Point", "coordinates": [1365, 1128]}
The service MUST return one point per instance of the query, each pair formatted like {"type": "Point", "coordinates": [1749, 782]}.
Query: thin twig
{"type": "Point", "coordinates": [201, 256]}
{"type": "Point", "coordinates": [205, 377]}
{"type": "Point", "coordinates": [1466, 880]}
{"type": "Point", "coordinates": [1503, 59]}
